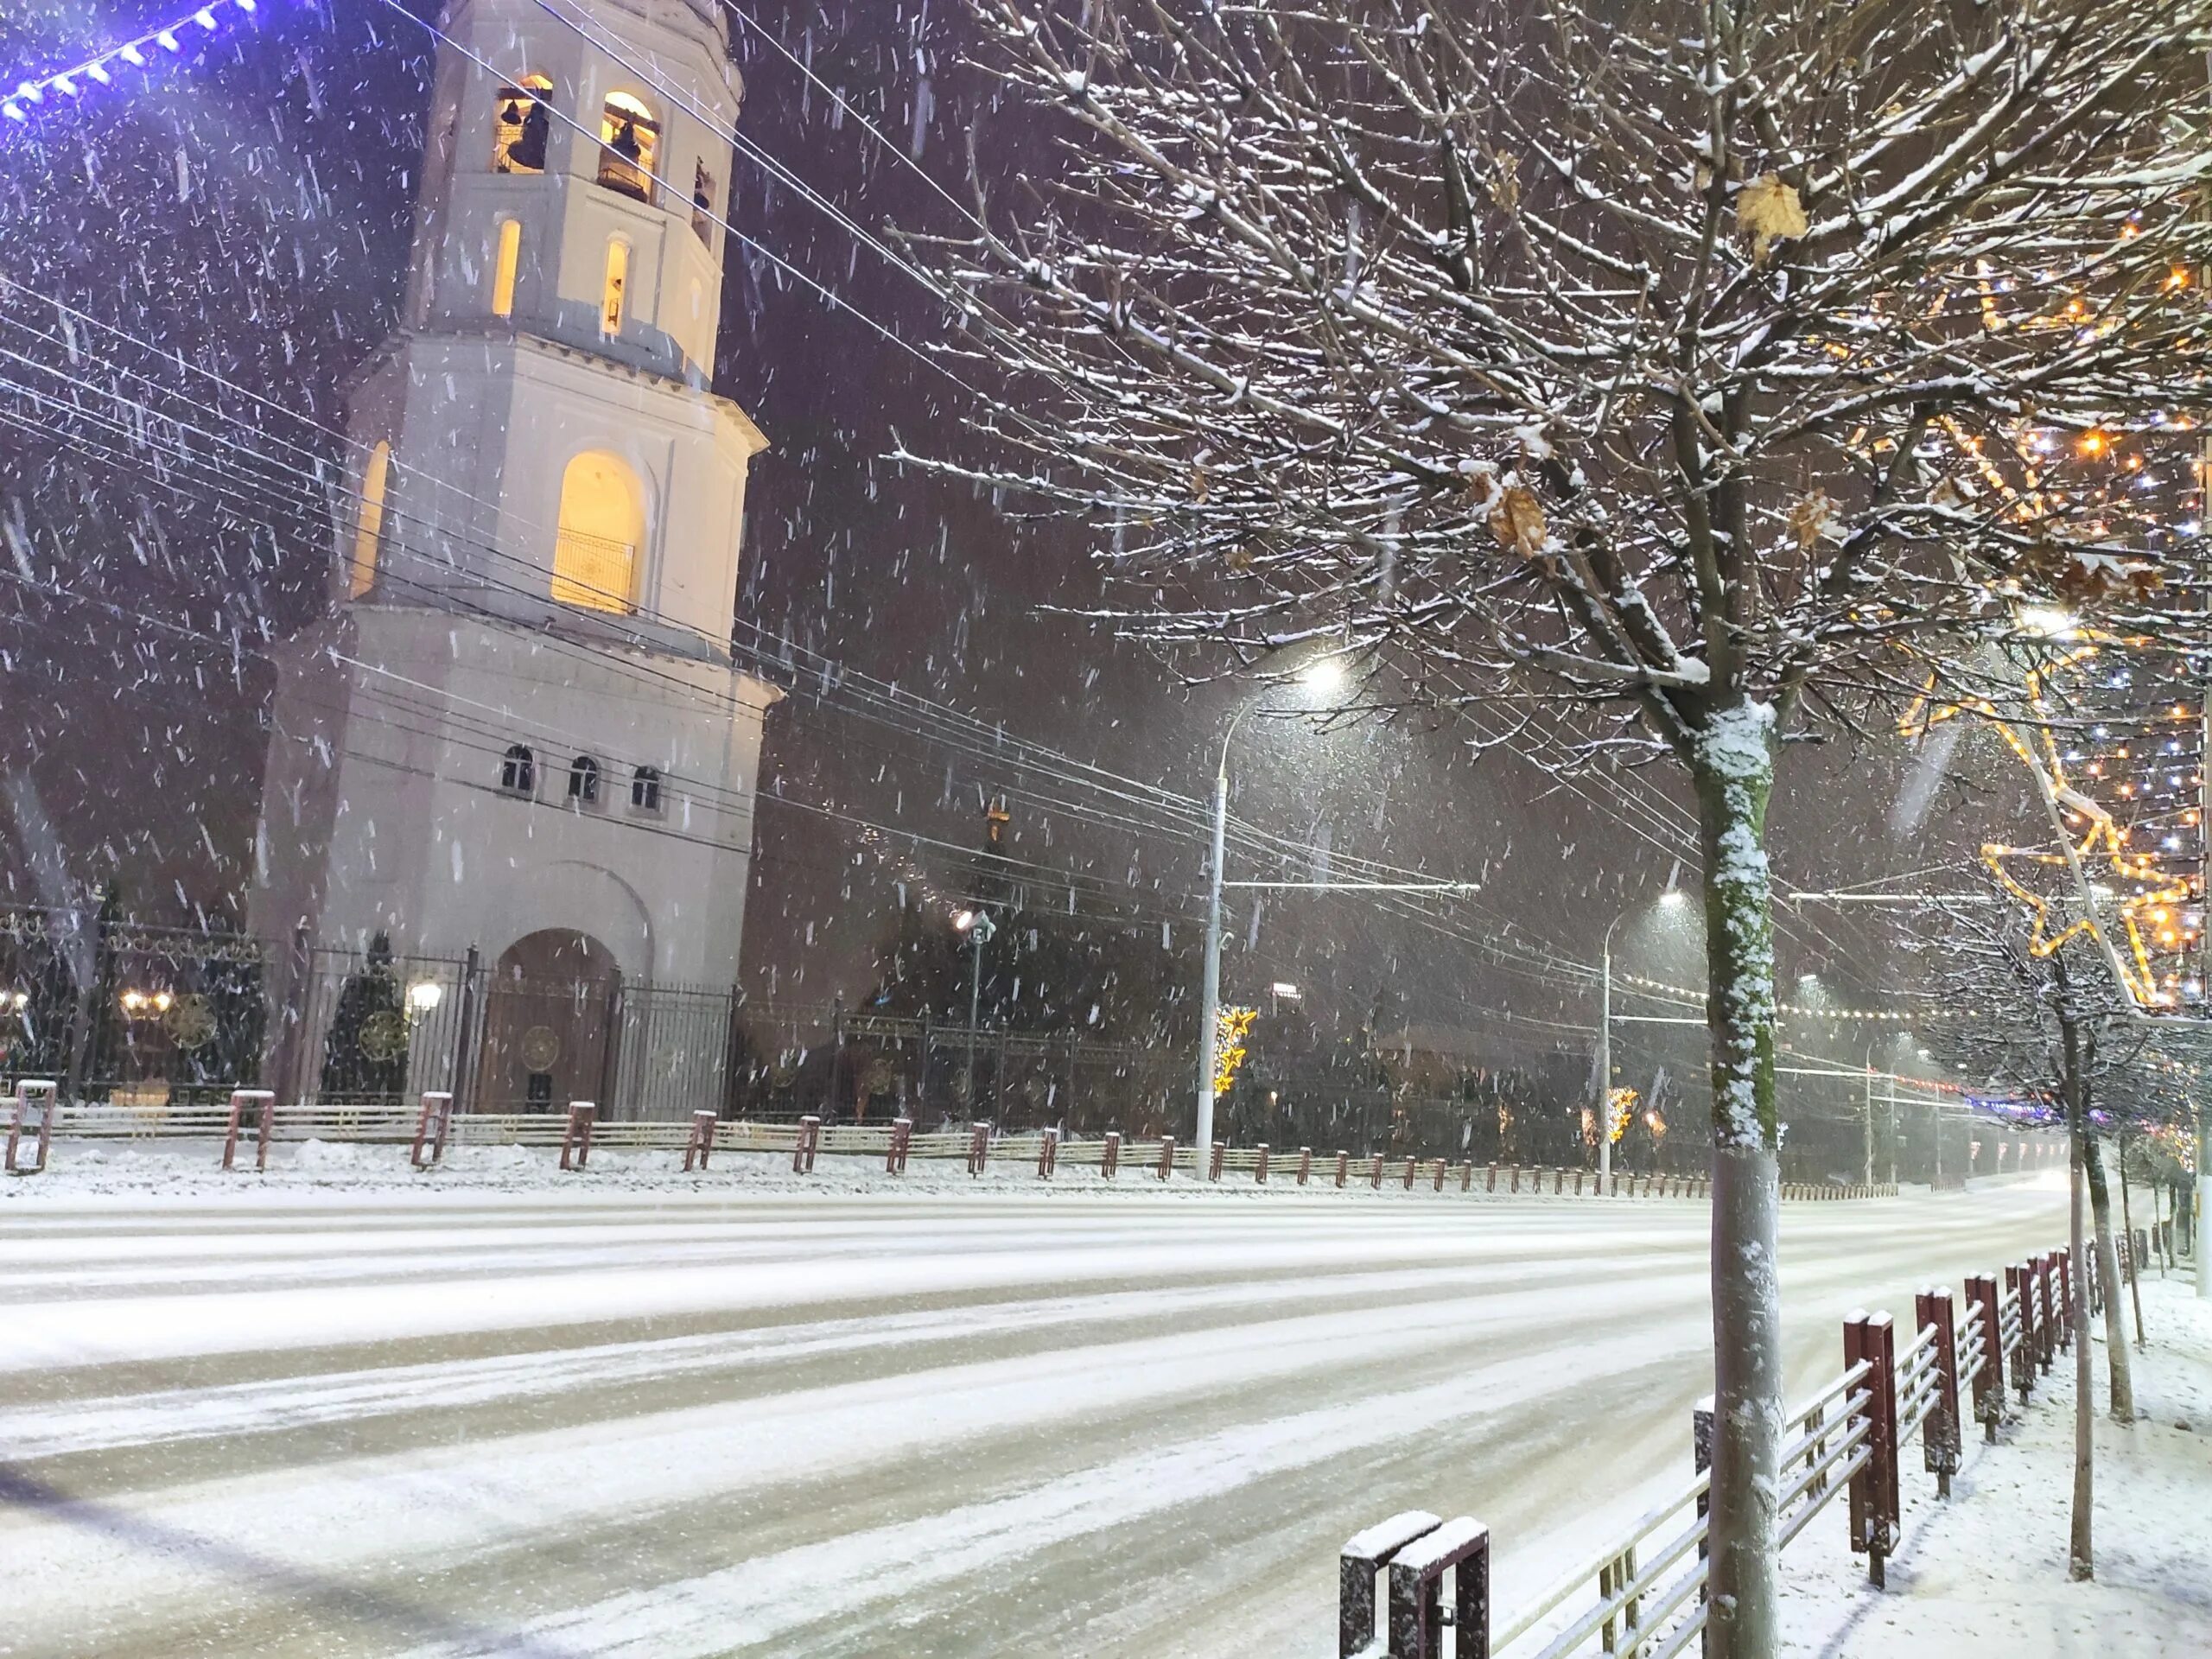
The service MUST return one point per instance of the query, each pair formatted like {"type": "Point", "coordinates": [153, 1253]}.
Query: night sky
{"type": "Point", "coordinates": [249, 209]}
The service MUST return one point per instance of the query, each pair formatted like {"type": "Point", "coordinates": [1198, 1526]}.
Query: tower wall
{"type": "Point", "coordinates": [537, 556]}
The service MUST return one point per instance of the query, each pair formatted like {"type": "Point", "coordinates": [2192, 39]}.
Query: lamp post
{"type": "Point", "coordinates": [1322, 677]}
{"type": "Point", "coordinates": [1866, 1173]}
{"type": "Point", "coordinates": [1672, 898]}
{"type": "Point", "coordinates": [976, 925]}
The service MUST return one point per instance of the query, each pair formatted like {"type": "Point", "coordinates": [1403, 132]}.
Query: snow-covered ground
{"type": "Point", "coordinates": [346, 1411]}
{"type": "Point", "coordinates": [1985, 1574]}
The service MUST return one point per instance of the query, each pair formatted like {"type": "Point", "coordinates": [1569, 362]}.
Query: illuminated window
{"type": "Point", "coordinates": [602, 528]}
{"type": "Point", "coordinates": [629, 146]}
{"type": "Point", "coordinates": [518, 770]}
{"type": "Point", "coordinates": [583, 780]}
{"type": "Point", "coordinates": [502, 271]}
{"type": "Point", "coordinates": [618, 279]}
{"type": "Point", "coordinates": [644, 789]}
{"type": "Point", "coordinates": [702, 202]}
{"type": "Point", "coordinates": [368, 526]}
{"type": "Point", "coordinates": [522, 120]}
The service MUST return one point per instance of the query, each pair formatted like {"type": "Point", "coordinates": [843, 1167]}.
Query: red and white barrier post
{"type": "Point", "coordinates": [1260, 1169]}
{"type": "Point", "coordinates": [902, 1141]}
{"type": "Point", "coordinates": [1305, 1163]}
{"type": "Point", "coordinates": [431, 1124]}
{"type": "Point", "coordinates": [33, 1111]}
{"type": "Point", "coordinates": [808, 1144]}
{"type": "Point", "coordinates": [242, 1101]}
{"type": "Point", "coordinates": [701, 1142]}
{"type": "Point", "coordinates": [1166, 1156]}
{"type": "Point", "coordinates": [1110, 1162]}
{"type": "Point", "coordinates": [1213, 1161]}
{"type": "Point", "coordinates": [575, 1139]}
{"type": "Point", "coordinates": [1048, 1153]}
{"type": "Point", "coordinates": [1344, 1167]}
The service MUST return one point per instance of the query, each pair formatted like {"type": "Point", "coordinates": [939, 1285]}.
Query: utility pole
{"type": "Point", "coordinates": [1605, 1067]}
{"type": "Point", "coordinates": [1209, 997]}
{"type": "Point", "coordinates": [976, 925]}
{"type": "Point", "coordinates": [1893, 1129]}
{"type": "Point", "coordinates": [1672, 898]}
{"type": "Point", "coordinates": [1867, 1174]}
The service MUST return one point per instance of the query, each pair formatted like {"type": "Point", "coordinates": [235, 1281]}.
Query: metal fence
{"type": "Point", "coordinates": [1643, 1593]}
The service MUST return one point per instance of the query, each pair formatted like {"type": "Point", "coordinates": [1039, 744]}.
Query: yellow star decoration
{"type": "Point", "coordinates": [1231, 1026]}
{"type": "Point", "coordinates": [2103, 838]}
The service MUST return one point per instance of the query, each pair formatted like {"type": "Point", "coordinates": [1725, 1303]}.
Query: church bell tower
{"type": "Point", "coordinates": [518, 739]}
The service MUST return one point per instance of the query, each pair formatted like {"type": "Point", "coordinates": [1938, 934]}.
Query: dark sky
{"type": "Point", "coordinates": [248, 208]}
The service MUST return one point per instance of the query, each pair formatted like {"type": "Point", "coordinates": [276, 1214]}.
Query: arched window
{"type": "Point", "coordinates": [518, 770]}
{"type": "Point", "coordinates": [601, 531]}
{"type": "Point", "coordinates": [644, 789]}
{"type": "Point", "coordinates": [583, 780]}
{"type": "Point", "coordinates": [522, 120]}
{"type": "Point", "coordinates": [502, 268]}
{"type": "Point", "coordinates": [629, 146]}
{"type": "Point", "coordinates": [368, 523]}
{"type": "Point", "coordinates": [618, 279]}
{"type": "Point", "coordinates": [702, 203]}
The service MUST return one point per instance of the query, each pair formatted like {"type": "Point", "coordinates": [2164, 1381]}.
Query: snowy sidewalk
{"type": "Point", "coordinates": [1986, 1571]}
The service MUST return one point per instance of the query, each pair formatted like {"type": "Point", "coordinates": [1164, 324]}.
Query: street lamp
{"type": "Point", "coordinates": [1323, 678]}
{"type": "Point", "coordinates": [976, 925]}
{"type": "Point", "coordinates": [1672, 898]}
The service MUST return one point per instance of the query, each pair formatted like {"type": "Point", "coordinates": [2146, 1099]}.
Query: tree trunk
{"type": "Point", "coordinates": [1733, 768]}
{"type": "Point", "coordinates": [2081, 1558]}
{"type": "Point", "coordinates": [2123, 1385]}
{"type": "Point", "coordinates": [2127, 1232]}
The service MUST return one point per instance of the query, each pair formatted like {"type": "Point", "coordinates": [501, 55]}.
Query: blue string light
{"type": "Point", "coordinates": [141, 54]}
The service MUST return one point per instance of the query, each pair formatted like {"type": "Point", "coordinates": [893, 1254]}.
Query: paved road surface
{"type": "Point", "coordinates": [1004, 1423]}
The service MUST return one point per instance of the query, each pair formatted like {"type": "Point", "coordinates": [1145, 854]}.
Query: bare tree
{"type": "Point", "coordinates": [2048, 1022]}
{"type": "Point", "coordinates": [1658, 383]}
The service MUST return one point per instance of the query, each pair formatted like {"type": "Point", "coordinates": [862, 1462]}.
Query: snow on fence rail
{"type": "Point", "coordinates": [432, 1127]}
{"type": "Point", "coordinates": [1642, 1595]}
{"type": "Point", "coordinates": [429, 1128]}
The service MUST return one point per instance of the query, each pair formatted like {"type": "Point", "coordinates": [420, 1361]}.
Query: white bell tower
{"type": "Point", "coordinates": [518, 731]}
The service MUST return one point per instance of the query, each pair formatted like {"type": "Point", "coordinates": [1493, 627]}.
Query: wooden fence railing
{"type": "Point", "coordinates": [428, 1129]}
{"type": "Point", "coordinates": [1642, 1595]}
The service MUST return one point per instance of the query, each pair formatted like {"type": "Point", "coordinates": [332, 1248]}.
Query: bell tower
{"type": "Point", "coordinates": [517, 737]}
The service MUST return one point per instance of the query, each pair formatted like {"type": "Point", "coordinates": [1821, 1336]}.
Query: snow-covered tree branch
{"type": "Point", "coordinates": [1698, 371]}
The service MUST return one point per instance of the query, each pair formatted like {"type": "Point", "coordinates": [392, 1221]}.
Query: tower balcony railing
{"type": "Point", "coordinates": [620, 172]}
{"type": "Point", "coordinates": [595, 572]}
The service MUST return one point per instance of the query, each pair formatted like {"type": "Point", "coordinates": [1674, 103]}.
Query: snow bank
{"type": "Point", "coordinates": [1987, 1572]}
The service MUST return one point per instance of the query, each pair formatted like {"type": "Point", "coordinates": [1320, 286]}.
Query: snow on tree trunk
{"type": "Point", "coordinates": [2080, 1555]}
{"type": "Point", "coordinates": [1732, 764]}
{"type": "Point", "coordinates": [2123, 1382]}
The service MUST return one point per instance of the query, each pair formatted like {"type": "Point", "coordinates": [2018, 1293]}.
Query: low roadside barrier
{"type": "Point", "coordinates": [1642, 1595]}
{"type": "Point", "coordinates": [39, 1125]}
{"type": "Point", "coordinates": [31, 1113]}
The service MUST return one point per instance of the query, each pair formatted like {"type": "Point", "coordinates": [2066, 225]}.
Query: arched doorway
{"type": "Point", "coordinates": [552, 1014]}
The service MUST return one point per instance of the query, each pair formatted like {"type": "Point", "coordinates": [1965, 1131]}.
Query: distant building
{"type": "Point", "coordinates": [519, 730]}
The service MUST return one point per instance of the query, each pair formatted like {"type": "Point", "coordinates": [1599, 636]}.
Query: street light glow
{"type": "Point", "coordinates": [1673, 898]}
{"type": "Point", "coordinates": [425, 994]}
{"type": "Point", "coordinates": [1323, 676]}
{"type": "Point", "coordinates": [963, 921]}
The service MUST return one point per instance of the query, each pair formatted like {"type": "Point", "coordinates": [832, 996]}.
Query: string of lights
{"type": "Point", "coordinates": [142, 55]}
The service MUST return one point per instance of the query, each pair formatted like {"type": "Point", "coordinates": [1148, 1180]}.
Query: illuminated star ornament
{"type": "Point", "coordinates": [149, 49]}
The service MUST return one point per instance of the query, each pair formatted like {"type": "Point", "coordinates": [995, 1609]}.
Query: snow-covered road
{"type": "Point", "coordinates": [933, 1424]}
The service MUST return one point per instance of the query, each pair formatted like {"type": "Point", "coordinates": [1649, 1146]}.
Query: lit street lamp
{"type": "Point", "coordinates": [1323, 678]}
{"type": "Point", "coordinates": [977, 925]}
{"type": "Point", "coordinates": [1671, 898]}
